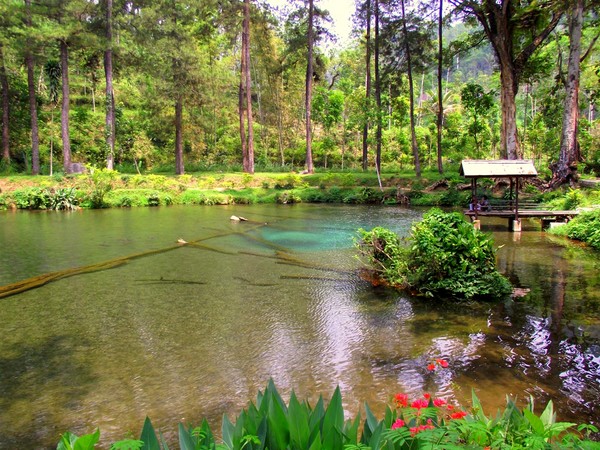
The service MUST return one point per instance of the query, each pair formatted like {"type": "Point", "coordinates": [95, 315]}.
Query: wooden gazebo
{"type": "Point", "coordinates": [513, 169]}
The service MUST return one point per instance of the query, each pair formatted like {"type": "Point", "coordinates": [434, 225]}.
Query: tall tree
{"type": "Point", "coordinates": [368, 45]}
{"type": "Point", "coordinates": [65, 105]}
{"type": "Point", "coordinates": [378, 132]}
{"type": "Point", "coordinates": [246, 94]}
{"type": "Point", "coordinates": [309, 85]}
{"type": "Point", "coordinates": [29, 64]}
{"type": "Point", "coordinates": [5, 109]}
{"type": "Point", "coordinates": [565, 169]}
{"type": "Point", "coordinates": [110, 96]}
{"type": "Point", "coordinates": [440, 108]}
{"type": "Point", "coordinates": [411, 98]}
{"type": "Point", "coordinates": [515, 31]}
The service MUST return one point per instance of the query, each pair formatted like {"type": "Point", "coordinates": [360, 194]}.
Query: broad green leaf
{"type": "Point", "coordinates": [371, 421]}
{"type": "Point", "coordinates": [227, 430]}
{"type": "Point", "coordinates": [376, 436]}
{"type": "Point", "coordinates": [535, 422]}
{"type": "Point", "coordinates": [298, 423]}
{"type": "Point", "coordinates": [316, 443]}
{"type": "Point", "coordinates": [333, 422]}
{"type": "Point", "coordinates": [186, 440]}
{"type": "Point", "coordinates": [67, 441]}
{"type": "Point", "coordinates": [148, 436]}
{"type": "Point", "coordinates": [351, 430]}
{"type": "Point", "coordinates": [278, 431]}
{"type": "Point", "coordinates": [548, 417]}
{"type": "Point", "coordinates": [87, 441]}
{"type": "Point", "coordinates": [334, 415]}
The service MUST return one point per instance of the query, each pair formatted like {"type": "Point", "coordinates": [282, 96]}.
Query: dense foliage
{"type": "Point", "coordinates": [585, 227]}
{"type": "Point", "coordinates": [425, 423]}
{"type": "Point", "coordinates": [189, 52]}
{"type": "Point", "coordinates": [444, 255]}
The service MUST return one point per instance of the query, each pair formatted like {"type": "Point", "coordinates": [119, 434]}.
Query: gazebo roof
{"type": "Point", "coordinates": [475, 168]}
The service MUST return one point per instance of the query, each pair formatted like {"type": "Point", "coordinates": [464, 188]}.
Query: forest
{"type": "Point", "coordinates": [182, 86]}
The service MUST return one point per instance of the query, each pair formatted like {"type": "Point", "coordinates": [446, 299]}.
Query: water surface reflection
{"type": "Point", "coordinates": [197, 331]}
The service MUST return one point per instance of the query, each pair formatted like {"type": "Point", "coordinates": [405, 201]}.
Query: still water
{"type": "Point", "coordinates": [194, 331]}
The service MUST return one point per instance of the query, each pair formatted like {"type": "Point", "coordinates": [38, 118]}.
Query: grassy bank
{"type": "Point", "coordinates": [106, 189]}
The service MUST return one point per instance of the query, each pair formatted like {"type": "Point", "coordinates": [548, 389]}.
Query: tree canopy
{"type": "Point", "coordinates": [159, 85]}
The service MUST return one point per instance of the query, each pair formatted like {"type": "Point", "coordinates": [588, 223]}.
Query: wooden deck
{"type": "Point", "coordinates": [524, 213]}
{"type": "Point", "coordinates": [514, 219]}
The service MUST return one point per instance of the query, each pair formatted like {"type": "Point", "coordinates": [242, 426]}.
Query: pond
{"type": "Point", "coordinates": [184, 332]}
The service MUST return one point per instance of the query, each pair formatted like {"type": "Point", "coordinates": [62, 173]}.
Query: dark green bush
{"type": "Point", "coordinates": [445, 256]}
{"type": "Point", "coordinates": [32, 198]}
{"type": "Point", "coordinates": [586, 228]}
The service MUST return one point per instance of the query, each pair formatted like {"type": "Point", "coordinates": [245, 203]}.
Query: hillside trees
{"type": "Point", "coordinates": [177, 68]}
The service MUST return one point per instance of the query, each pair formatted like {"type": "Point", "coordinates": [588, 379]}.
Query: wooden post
{"type": "Point", "coordinates": [517, 200]}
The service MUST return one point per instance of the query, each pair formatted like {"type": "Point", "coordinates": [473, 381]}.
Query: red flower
{"type": "Point", "coordinates": [401, 400]}
{"type": "Point", "coordinates": [450, 407]}
{"type": "Point", "coordinates": [439, 402]}
{"type": "Point", "coordinates": [427, 395]}
{"type": "Point", "coordinates": [398, 424]}
{"type": "Point", "coordinates": [458, 415]}
{"type": "Point", "coordinates": [420, 403]}
{"type": "Point", "coordinates": [443, 363]}
{"type": "Point", "coordinates": [431, 367]}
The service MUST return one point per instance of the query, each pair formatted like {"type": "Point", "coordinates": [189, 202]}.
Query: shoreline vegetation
{"type": "Point", "coordinates": [427, 422]}
{"type": "Point", "coordinates": [102, 188]}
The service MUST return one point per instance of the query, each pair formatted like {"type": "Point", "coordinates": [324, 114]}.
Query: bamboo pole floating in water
{"type": "Point", "coordinates": [282, 257]}
{"type": "Point", "coordinates": [41, 280]}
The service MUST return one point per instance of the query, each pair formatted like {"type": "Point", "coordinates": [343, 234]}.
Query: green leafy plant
{"type": "Point", "coordinates": [445, 256]}
{"type": "Point", "coordinates": [585, 227]}
{"type": "Point", "coordinates": [423, 423]}
{"type": "Point", "coordinates": [32, 198]}
{"type": "Point", "coordinates": [63, 199]}
{"type": "Point", "coordinates": [100, 182]}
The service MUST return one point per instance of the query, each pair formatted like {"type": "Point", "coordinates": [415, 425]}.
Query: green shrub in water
{"type": "Point", "coordinates": [445, 256]}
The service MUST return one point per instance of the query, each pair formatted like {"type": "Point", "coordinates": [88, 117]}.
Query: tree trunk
{"type": "Point", "coordinates": [378, 130]}
{"type": "Point", "coordinates": [242, 116]}
{"type": "Point", "coordinates": [566, 168]}
{"type": "Point", "coordinates": [5, 110]}
{"type": "Point", "coordinates": [415, 148]}
{"type": "Point", "coordinates": [513, 46]}
{"type": "Point", "coordinates": [110, 99]}
{"type": "Point", "coordinates": [509, 141]}
{"type": "Point", "coordinates": [365, 133]}
{"type": "Point", "coordinates": [309, 87]}
{"type": "Point", "coordinates": [249, 163]}
{"type": "Point", "coordinates": [179, 137]}
{"type": "Point", "coordinates": [64, 114]}
{"type": "Point", "coordinates": [35, 138]}
{"type": "Point", "coordinates": [440, 112]}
